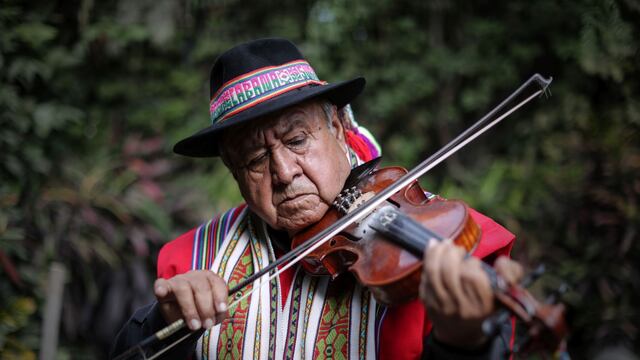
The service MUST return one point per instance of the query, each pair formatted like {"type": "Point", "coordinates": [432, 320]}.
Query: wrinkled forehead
{"type": "Point", "coordinates": [252, 135]}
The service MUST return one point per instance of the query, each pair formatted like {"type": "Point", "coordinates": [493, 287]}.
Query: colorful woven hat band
{"type": "Point", "coordinates": [259, 85]}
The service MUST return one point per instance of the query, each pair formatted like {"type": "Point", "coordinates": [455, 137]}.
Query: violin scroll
{"type": "Point", "coordinates": [545, 321]}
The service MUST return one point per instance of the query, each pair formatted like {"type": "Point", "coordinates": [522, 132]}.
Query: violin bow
{"type": "Point", "coordinates": [488, 121]}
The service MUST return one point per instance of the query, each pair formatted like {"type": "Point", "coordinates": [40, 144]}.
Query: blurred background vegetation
{"type": "Point", "coordinates": [95, 93]}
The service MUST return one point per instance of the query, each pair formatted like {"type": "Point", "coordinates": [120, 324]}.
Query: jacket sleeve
{"type": "Point", "coordinates": [175, 256]}
{"type": "Point", "coordinates": [144, 323]}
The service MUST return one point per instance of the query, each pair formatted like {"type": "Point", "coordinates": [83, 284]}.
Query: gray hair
{"type": "Point", "coordinates": [328, 107]}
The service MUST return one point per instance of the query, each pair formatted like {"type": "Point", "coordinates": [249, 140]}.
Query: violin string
{"type": "Point", "coordinates": [366, 208]}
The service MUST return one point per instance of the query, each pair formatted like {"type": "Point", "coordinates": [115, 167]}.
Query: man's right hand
{"type": "Point", "coordinates": [199, 297]}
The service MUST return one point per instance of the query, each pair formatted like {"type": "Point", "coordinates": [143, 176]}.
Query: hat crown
{"type": "Point", "coordinates": [251, 56]}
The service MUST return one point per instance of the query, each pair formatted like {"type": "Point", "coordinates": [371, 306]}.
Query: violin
{"type": "Point", "coordinates": [378, 229]}
{"type": "Point", "coordinates": [384, 252]}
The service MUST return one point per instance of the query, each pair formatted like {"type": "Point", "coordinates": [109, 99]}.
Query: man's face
{"type": "Point", "coordinates": [289, 166]}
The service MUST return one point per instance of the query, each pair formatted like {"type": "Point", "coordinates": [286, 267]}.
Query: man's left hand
{"type": "Point", "coordinates": [457, 293]}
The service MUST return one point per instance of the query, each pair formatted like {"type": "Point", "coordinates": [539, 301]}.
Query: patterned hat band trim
{"type": "Point", "coordinates": [259, 85]}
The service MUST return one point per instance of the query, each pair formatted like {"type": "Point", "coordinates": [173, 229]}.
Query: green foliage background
{"type": "Point", "coordinates": [94, 94]}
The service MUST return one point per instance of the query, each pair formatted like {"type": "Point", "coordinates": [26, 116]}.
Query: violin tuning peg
{"type": "Point", "coordinates": [539, 271]}
{"type": "Point", "coordinates": [556, 295]}
{"type": "Point", "coordinates": [533, 275]}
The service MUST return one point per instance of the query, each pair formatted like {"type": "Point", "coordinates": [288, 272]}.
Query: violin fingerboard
{"type": "Point", "coordinates": [403, 230]}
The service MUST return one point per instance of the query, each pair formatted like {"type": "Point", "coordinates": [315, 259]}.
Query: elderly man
{"type": "Point", "coordinates": [289, 144]}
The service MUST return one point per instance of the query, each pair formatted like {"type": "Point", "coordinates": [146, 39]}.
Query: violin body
{"type": "Point", "coordinates": [391, 272]}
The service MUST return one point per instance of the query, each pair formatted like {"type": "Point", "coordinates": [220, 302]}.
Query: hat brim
{"type": "Point", "coordinates": [204, 143]}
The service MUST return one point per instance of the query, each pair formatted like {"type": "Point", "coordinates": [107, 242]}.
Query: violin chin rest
{"type": "Point", "coordinates": [361, 172]}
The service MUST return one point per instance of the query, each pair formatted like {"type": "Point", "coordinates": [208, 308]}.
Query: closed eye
{"type": "Point", "coordinates": [257, 160]}
{"type": "Point", "coordinates": [297, 141]}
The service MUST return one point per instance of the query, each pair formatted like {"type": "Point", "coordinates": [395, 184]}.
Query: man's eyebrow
{"type": "Point", "coordinates": [248, 145]}
{"type": "Point", "coordinates": [252, 147]}
{"type": "Point", "coordinates": [295, 122]}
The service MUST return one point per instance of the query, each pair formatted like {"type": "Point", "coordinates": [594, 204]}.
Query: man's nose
{"type": "Point", "coordinates": [284, 166]}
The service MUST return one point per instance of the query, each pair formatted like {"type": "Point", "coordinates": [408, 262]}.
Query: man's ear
{"type": "Point", "coordinates": [336, 127]}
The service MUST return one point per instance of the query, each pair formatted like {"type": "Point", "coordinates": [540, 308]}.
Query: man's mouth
{"type": "Point", "coordinates": [300, 200]}
{"type": "Point", "coordinates": [293, 199]}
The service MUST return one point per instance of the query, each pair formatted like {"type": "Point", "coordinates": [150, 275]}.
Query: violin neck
{"type": "Point", "coordinates": [413, 237]}
{"type": "Point", "coordinates": [403, 230]}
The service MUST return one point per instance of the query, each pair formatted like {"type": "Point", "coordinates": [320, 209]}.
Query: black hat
{"type": "Point", "coordinates": [258, 78]}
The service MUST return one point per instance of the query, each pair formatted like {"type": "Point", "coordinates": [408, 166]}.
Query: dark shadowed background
{"type": "Point", "coordinates": [95, 93]}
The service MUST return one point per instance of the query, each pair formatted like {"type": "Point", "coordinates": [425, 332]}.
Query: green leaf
{"type": "Point", "coordinates": [35, 34]}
